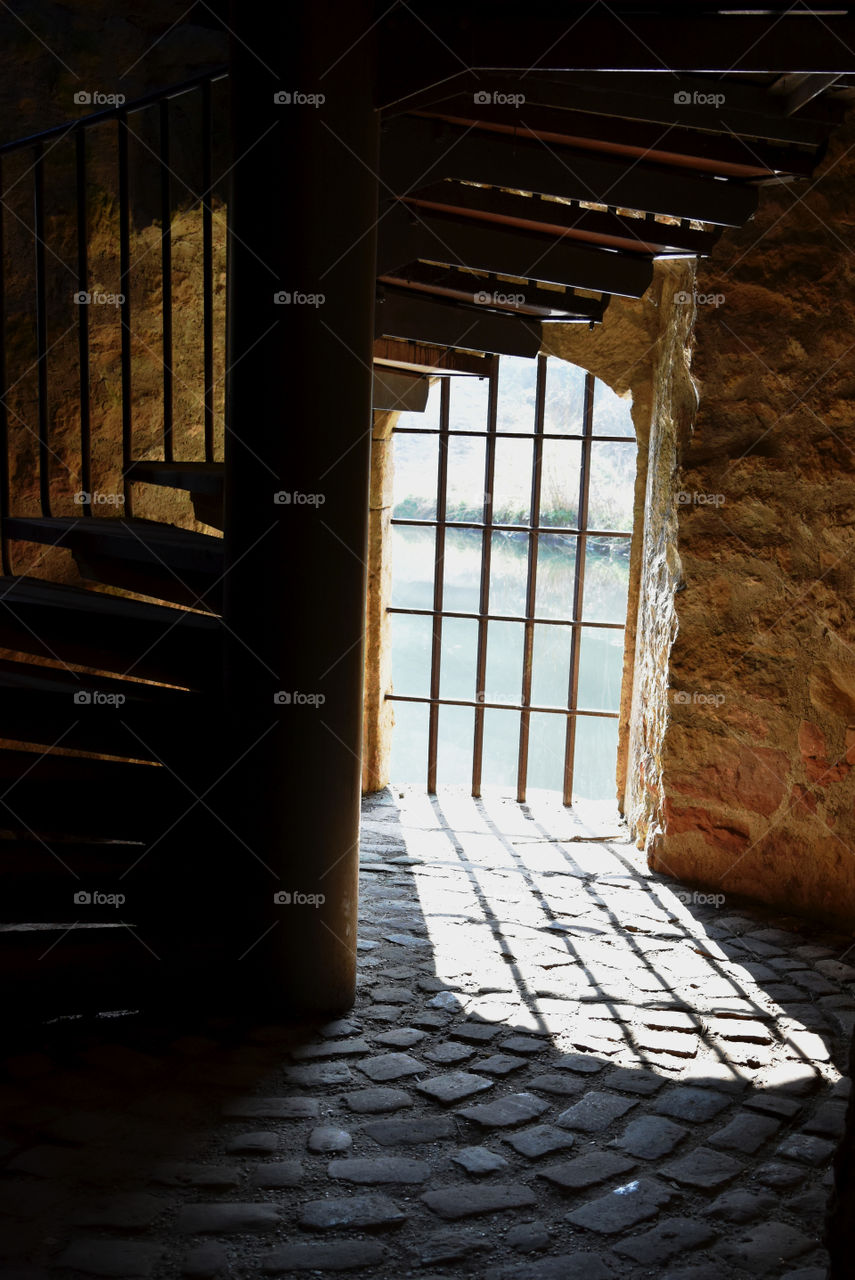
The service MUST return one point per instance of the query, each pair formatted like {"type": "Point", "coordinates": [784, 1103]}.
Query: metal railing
{"type": "Point", "coordinates": [47, 148]}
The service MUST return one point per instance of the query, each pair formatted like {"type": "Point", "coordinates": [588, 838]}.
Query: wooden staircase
{"type": "Point", "coordinates": [110, 715]}
{"type": "Point", "coordinates": [143, 556]}
{"type": "Point", "coordinates": [202, 480]}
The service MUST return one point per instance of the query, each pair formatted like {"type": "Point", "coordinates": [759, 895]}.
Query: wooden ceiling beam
{"type": "Point", "coordinates": [414, 149]}
{"type": "Point", "coordinates": [401, 314]}
{"type": "Point", "coordinates": [422, 357]}
{"type": "Point", "coordinates": [495, 294]}
{"type": "Point", "coordinates": [715, 106]}
{"type": "Point", "coordinates": [425, 43]}
{"type": "Point", "coordinates": [552, 217]}
{"type": "Point", "coordinates": [724, 154]}
{"type": "Point", "coordinates": [406, 237]}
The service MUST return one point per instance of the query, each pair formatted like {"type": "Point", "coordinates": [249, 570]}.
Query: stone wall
{"type": "Point", "coordinates": [759, 788]}
{"type": "Point", "coordinates": [641, 350]}
{"type": "Point", "coordinates": [378, 714]}
{"type": "Point", "coordinates": [89, 48]}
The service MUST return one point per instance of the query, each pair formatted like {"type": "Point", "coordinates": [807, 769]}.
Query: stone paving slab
{"type": "Point", "coordinates": [343, 1255]}
{"type": "Point", "coordinates": [623, 1207]}
{"type": "Point", "coordinates": [657, 1100]}
{"type": "Point", "coordinates": [359, 1212]}
{"type": "Point", "coordinates": [464, 1200]}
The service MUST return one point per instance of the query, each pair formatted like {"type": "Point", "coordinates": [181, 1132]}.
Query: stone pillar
{"type": "Point", "coordinates": [303, 213]}
{"type": "Point", "coordinates": [379, 715]}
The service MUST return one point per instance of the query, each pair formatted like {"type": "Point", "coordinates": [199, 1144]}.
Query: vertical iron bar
{"type": "Point", "coordinates": [83, 319]}
{"type": "Point", "coordinates": [439, 560]}
{"type": "Point", "coordinates": [531, 583]}
{"type": "Point", "coordinates": [486, 557]}
{"type": "Point", "coordinates": [579, 588]}
{"type": "Point", "coordinates": [4, 417]}
{"type": "Point", "coordinates": [166, 277]}
{"type": "Point", "coordinates": [41, 328]}
{"type": "Point", "coordinates": [207, 271]}
{"type": "Point", "coordinates": [125, 313]}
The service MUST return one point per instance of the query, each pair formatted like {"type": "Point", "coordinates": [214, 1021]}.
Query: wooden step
{"type": "Point", "coordinates": [143, 556]}
{"type": "Point", "coordinates": [55, 880]}
{"type": "Point", "coordinates": [56, 706]}
{"type": "Point", "coordinates": [86, 967]}
{"type": "Point", "coordinates": [204, 482]}
{"type": "Point", "coordinates": [162, 882]}
{"type": "Point", "coordinates": [59, 796]}
{"type": "Point", "coordinates": [52, 969]}
{"type": "Point", "coordinates": [110, 633]}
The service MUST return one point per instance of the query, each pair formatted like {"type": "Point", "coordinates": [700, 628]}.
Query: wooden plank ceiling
{"type": "Point", "coordinates": [514, 198]}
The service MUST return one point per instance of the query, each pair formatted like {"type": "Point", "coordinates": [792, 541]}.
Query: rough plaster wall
{"type": "Point", "coordinates": [757, 758]}
{"type": "Point", "coordinates": [640, 350]}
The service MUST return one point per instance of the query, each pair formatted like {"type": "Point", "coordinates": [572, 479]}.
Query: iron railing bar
{"type": "Point", "coordinates": [166, 277]}
{"type": "Point", "coordinates": [439, 560]}
{"type": "Point", "coordinates": [207, 270]}
{"type": "Point", "coordinates": [531, 577]}
{"type": "Point", "coordinates": [486, 561]}
{"type": "Point", "coordinates": [125, 313]}
{"type": "Point", "coordinates": [507, 617]}
{"type": "Point", "coordinates": [114, 113]}
{"type": "Point", "coordinates": [563, 530]}
{"type": "Point", "coordinates": [41, 329]}
{"type": "Point", "coordinates": [579, 588]}
{"type": "Point", "coordinates": [83, 320]}
{"type": "Point", "coordinates": [5, 559]}
{"type": "Point", "coordinates": [500, 706]}
{"type": "Point", "coordinates": [513, 435]}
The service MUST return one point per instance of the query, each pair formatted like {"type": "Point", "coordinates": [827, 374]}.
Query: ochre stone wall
{"type": "Point", "coordinates": [91, 48]}
{"type": "Point", "coordinates": [641, 350]}
{"type": "Point", "coordinates": [757, 758]}
{"type": "Point", "coordinates": [378, 714]}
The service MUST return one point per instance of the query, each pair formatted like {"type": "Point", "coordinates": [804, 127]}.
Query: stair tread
{"type": "Point", "coordinates": [198, 477]}
{"type": "Point", "coordinates": [42, 764]}
{"type": "Point", "coordinates": [29, 677]}
{"type": "Point", "coordinates": [137, 538]}
{"type": "Point", "coordinates": [110, 633]}
{"type": "Point", "coordinates": [64, 596]}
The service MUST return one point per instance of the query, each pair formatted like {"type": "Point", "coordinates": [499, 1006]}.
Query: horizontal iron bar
{"type": "Point", "coordinates": [511, 528]}
{"type": "Point", "coordinates": [510, 435]}
{"type": "Point", "coordinates": [505, 617]}
{"type": "Point", "coordinates": [111, 113]}
{"type": "Point", "coordinates": [502, 706]}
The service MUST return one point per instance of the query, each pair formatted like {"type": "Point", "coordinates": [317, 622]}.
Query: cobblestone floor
{"type": "Point", "coordinates": [558, 1067]}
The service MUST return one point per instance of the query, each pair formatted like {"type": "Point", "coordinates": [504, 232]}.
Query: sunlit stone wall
{"type": "Point", "coordinates": [641, 350]}
{"type": "Point", "coordinates": [757, 758]}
